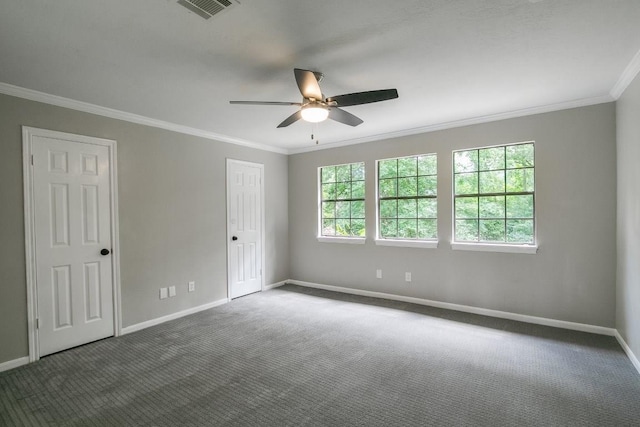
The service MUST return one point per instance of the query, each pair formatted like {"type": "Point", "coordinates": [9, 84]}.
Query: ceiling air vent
{"type": "Point", "coordinates": [206, 8]}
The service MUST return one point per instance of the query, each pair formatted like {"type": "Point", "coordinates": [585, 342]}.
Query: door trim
{"type": "Point", "coordinates": [262, 221]}
{"type": "Point", "coordinates": [29, 228]}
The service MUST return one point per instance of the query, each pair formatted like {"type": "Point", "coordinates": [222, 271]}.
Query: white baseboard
{"type": "Point", "coordinates": [275, 285]}
{"type": "Point", "coordinates": [5, 366]}
{"type": "Point", "coordinates": [466, 308]}
{"type": "Point", "coordinates": [177, 315]}
{"type": "Point", "coordinates": [627, 349]}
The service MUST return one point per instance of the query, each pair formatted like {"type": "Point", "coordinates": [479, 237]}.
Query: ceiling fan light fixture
{"type": "Point", "coordinates": [314, 113]}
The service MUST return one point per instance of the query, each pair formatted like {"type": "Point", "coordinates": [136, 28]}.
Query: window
{"type": "Point", "coordinates": [407, 198]}
{"type": "Point", "coordinates": [342, 200]}
{"type": "Point", "coordinates": [494, 195]}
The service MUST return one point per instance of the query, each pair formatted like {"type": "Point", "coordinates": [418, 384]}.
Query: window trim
{"type": "Point", "coordinates": [342, 239]}
{"type": "Point", "coordinates": [484, 246]}
{"type": "Point", "coordinates": [494, 247]}
{"type": "Point", "coordinates": [400, 242]}
{"type": "Point", "coordinates": [429, 244]}
{"type": "Point", "coordinates": [355, 240]}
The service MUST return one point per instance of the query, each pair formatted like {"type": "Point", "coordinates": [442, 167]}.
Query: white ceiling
{"type": "Point", "coordinates": [451, 60]}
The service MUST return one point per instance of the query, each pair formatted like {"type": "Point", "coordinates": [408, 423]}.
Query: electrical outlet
{"type": "Point", "coordinates": [378, 274]}
{"type": "Point", "coordinates": [163, 293]}
{"type": "Point", "coordinates": [172, 291]}
{"type": "Point", "coordinates": [407, 276]}
{"type": "Point", "coordinates": [192, 286]}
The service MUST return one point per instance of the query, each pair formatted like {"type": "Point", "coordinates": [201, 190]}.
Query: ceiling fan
{"type": "Point", "coordinates": [316, 108]}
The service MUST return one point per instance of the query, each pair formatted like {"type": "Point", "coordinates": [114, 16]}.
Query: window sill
{"type": "Point", "coordinates": [349, 240]}
{"type": "Point", "coordinates": [431, 244]}
{"type": "Point", "coordinates": [490, 247]}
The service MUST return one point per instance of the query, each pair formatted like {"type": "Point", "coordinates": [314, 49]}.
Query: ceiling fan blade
{"type": "Point", "coordinates": [264, 103]}
{"type": "Point", "coordinates": [359, 98]}
{"type": "Point", "coordinates": [344, 117]}
{"type": "Point", "coordinates": [308, 84]}
{"type": "Point", "coordinates": [291, 119]}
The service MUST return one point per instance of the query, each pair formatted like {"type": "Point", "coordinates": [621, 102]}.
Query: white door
{"type": "Point", "coordinates": [72, 225]}
{"type": "Point", "coordinates": [244, 225]}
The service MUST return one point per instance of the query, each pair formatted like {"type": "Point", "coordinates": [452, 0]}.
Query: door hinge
{"type": "Point", "coordinates": [32, 160]}
{"type": "Point", "coordinates": [37, 323]}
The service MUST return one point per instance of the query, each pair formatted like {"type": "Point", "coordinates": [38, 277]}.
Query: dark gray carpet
{"type": "Point", "coordinates": [303, 357]}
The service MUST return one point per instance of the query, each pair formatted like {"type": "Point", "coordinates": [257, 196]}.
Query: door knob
{"type": "Point", "coordinates": [104, 252]}
{"type": "Point", "coordinates": [234, 238]}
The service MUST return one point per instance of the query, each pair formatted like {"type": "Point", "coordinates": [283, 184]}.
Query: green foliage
{"type": "Point", "coordinates": [388, 168]}
{"type": "Point", "coordinates": [492, 207]}
{"type": "Point", "coordinates": [407, 208]}
{"type": "Point", "coordinates": [343, 190]}
{"type": "Point", "coordinates": [328, 174]}
{"type": "Point", "coordinates": [389, 227]}
{"type": "Point", "coordinates": [520, 156]}
{"type": "Point", "coordinates": [520, 180]}
{"type": "Point", "coordinates": [427, 229]}
{"type": "Point", "coordinates": [466, 207]}
{"type": "Point", "coordinates": [328, 191]}
{"type": "Point", "coordinates": [357, 227]}
{"type": "Point", "coordinates": [408, 166]}
{"type": "Point", "coordinates": [328, 209]}
{"type": "Point", "coordinates": [428, 165]}
{"type": "Point", "coordinates": [503, 170]}
{"type": "Point", "coordinates": [408, 228]}
{"type": "Point", "coordinates": [520, 206]}
{"type": "Point", "coordinates": [466, 230]}
{"type": "Point", "coordinates": [408, 187]}
{"type": "Point", "coordinates": [340, 215]}
{"type": "Point", "coordinates": [357, 171]}
{"type": "Point", "coordinates": [343, 210]}
{"type": "Point", "coordinates": [492, 182]}
{"type": "Point", "coordinates": [388, 208]}
{"type": "Point", "coordinates": [388, 188]}
{"type": "Point", "coordinates": [520, 231]}
{"type": "Point", "coordinates": [357, 210]}
{"type": "Point", "coordinates": [466, 183]}
{"type": "Point", "coordinates": [328, 227]}
{"type": "Point", "coordinates": [357, 190]}
{"type": "Point", "coordinates": [343, 173]}
{"type": "Point", "coordinates": [465, 161]}
{"type": "Point", "coordinates": [491, 158]}
{"type": "Point", "coordinates": [427, 186]}
{"type": "Point", "coordinates": [427, 208]}
{"type": "Point", "coordinates": [343, 227]}
{"type": "Point", "coordinates": [492, 230]}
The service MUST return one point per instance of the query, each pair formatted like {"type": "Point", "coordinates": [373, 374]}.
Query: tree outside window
{"type": "Point", "coordinates": [342, 205]}
{"type": "Point", "coordinates": [407, 198]}
{"type": "Point", "coordinates": [494, 194]}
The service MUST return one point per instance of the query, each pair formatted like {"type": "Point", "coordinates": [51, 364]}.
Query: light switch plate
{"type": "Point", "coordinates": [163, 293]}
{"type": "Point", "coordinates": [172, 291]}
{"type": "Point", "coordinates": [407, 276]}
{"type": "Point", "coordinates": [378, 274]}
{"type": "Point", "coordinates": [192, 286]}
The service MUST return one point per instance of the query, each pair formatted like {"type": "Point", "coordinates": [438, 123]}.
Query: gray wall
{"type": "Point", "coordinates": [628, 277]}
{"type": "Point", "coordinates": [171, 209]}
{"type": "Point", "coordinates": [572, 277]}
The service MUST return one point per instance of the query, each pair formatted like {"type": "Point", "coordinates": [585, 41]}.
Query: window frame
{"type": "Point", "coordinates": [488, 246]}
{"type": "Point", "coordinates": [340, 239]}
{"type": "Point", "coordinates": [398, 241]}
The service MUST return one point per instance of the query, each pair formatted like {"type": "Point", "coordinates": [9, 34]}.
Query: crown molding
{"type": "Point", "coordinates": [59, 101]}
{"type": "Point", "coordinates": [460, 123]}
{"type": "Point", "coordinates": [627, 77]}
